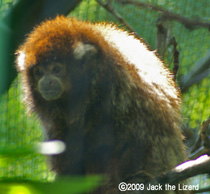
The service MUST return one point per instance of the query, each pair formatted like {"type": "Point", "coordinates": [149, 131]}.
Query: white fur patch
{"type": "Point", "coordinates": [21, 60]}
{"type": "Point", "coordinates": [82, 49]}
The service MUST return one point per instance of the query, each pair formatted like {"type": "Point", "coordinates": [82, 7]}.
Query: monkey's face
{"type": "Point", "coordinates": [49, 80]}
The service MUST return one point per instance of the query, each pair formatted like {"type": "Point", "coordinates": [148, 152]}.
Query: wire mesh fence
{"type": "Point", "coordinates": [17, 129]}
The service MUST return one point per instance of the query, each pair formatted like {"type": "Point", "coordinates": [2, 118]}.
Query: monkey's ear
{"type": "Point", "coordinates": [20, 61]}
{"type": "Point", "coordinates": [84, 51]}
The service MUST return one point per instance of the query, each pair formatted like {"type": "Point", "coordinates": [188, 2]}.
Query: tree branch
{"type": "Point", "coordinates": [184, 171]}
{"type": "Point", "coordinates": [163, 36]}
{"type": "Point", "coordinates": [200, 151]}
{"type": "Point", "coordinates": [110, 9]}
{"type": "Point", "coordinates": [175, 57]}
{"type": "Point", "coordinates": [197, 73]}
{"type": "Point", "coordinates": [202, 145]}
{"type": "Point", "coordinates": [178, 174]}
{"type": "Point", "coordinates": [204, 135]}
{"type": "Point", "coordinates": [188, 23]}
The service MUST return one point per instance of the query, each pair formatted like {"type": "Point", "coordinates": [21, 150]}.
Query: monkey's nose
{"type": "Point", "coordinates": [49, 84]}
{"type": "Point", "coordinates": [52, 83]}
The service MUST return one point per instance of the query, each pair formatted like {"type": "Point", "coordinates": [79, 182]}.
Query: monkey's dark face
{"type": "Point", "coordinates": [49, 80]}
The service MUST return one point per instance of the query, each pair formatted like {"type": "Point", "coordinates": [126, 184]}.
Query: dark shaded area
{"type": "Point", "coordinates": [20, 20]}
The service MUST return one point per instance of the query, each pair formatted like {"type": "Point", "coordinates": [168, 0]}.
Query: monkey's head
{"type": "Point", "coordinates": [55, 57]}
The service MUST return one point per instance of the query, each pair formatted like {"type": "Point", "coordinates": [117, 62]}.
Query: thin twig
{"type": "Point", "coordinates": [176, 57]}
{"type": "Point", "coordinates": [199, 152]}
{"type": "Point", "coordinates": [204, 135]}
{"type": "Point", "coordinates": [163, 34]}
{"type": "Point", "coordinates": [197, 145]}
{"type": "Point", "coordinates": [110, 8]}
{"type": "Point", "coordinates": [188, 23]}
{"type": "Point", "coordinates": [202, 145]}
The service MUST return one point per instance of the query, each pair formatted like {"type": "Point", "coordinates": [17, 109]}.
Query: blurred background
{"type": "Point", "coordinates": [179, 30]}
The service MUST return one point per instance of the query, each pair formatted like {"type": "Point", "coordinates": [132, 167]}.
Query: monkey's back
{"type": "Point", "coordinates": [148, 106]}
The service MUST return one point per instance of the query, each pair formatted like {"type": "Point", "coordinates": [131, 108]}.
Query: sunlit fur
{"type": "Point", "coordinates": [120, 116]}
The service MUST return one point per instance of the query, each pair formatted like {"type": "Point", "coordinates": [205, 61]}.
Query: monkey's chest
{"type": "Point", "coordinates": [87, 150]}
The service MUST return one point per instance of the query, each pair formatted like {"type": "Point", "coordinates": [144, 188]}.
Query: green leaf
{"type": "Point", "coordinates": [62, 186]}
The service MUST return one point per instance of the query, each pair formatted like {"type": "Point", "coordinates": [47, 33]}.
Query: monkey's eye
{"type": "Point", "coordinates": [38, 73]}
{"type": "Point", "coordinates": [56, 70]}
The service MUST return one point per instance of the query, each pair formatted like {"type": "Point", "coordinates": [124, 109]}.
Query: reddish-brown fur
{"type": "Point", "coordinates": [116, 117]}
